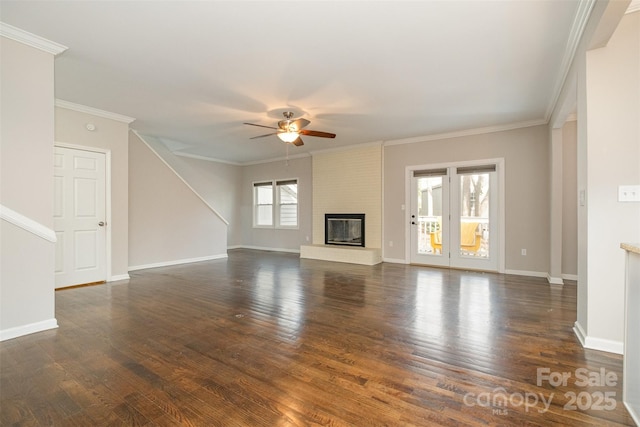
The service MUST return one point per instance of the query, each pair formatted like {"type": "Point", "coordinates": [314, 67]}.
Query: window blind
{"type": "Point", "coordinates": [469, 170]}
{"type": "Point", "coordinates": [430, 172]}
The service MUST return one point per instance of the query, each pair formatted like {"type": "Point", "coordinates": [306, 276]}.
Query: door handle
{"type": "Point", "coordinates": [413, 222]}
{"type": "Point", "coordinates": [102, 223]}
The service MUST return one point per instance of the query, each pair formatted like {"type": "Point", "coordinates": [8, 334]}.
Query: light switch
{"type": "Point", "coordinates": [629, 193]}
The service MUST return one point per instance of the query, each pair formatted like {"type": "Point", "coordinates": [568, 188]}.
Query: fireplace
{"type": "Point", "coordinates": [344, 229]}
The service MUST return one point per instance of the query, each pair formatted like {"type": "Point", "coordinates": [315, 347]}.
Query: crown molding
{"type": "Point", "coordinates": [313, 153]}
{"type": "Point", "coordinates": [634, 6]}
{"type": "Point", "coordinates": [249, 163]}
{"type": "Point", "coordinates": [93, 111]}
{"type": "Point", "coordinates": [575, 35]}
{"type": "Point", "coordinates": [24, 37]}
{"type": "Point", "coordinates": [348, 147]}
{"type": "Point", "coordinates": [275, 159]}
{"type": "Point", "coordinates": [208, 159]}
{"type": "Point", "coordinates": [468, 132]}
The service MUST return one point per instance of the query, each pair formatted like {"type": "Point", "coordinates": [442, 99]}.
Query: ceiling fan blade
{"type": "Point", "coordinates": [262, 136]}
{"type": "Point", "coordinates": [317, 133]}
{"type": "Point", "coordinates": [262, 126]}
{"type": "Point", "coordinates": [298, 142]}
{"type": "Point", "coordinates": [298, 124]}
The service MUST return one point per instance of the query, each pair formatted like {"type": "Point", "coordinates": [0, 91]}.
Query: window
{"type": "Point", "coordinates": [287, 196]}
{"type": "Point", "coordinates": [263, 204]}
{"type": "Point", "coordinates": [275, 204]}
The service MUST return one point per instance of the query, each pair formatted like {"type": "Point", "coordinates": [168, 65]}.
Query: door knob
{"type": "Point", "coordinates": [102, 223]}
{"type": "Point", "coordinates": [413, 222]}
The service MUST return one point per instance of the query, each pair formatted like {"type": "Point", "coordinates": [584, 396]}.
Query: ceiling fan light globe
{"type": "Point", "coordinates": [288, 136]}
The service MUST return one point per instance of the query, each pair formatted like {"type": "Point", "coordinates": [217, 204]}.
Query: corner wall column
{"type": "Point", "coordinates": [555, 195]}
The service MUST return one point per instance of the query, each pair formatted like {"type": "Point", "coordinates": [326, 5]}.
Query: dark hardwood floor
{"type": "Point", "coordinates": [267, 339]}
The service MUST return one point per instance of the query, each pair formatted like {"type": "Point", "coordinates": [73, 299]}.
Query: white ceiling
{"type": "Point", "coordinates": [191, 72]}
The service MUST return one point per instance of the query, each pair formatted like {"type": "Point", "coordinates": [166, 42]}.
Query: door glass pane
{"type": "Point", "coordinates": [474, 215]}
{"type": "Point", "coordinates": [429, 224]}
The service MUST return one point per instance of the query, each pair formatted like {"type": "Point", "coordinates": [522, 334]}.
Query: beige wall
{"type": "Point", "coordinates": [270, 238]}
{"type": "Point", "coordinates": [569, 199]}
{"type": "Point", "coordinates": [113, 136]}
{"type": "Point", "coordinates": [219, 184]}
{"type": "Point", "coordinates": [526, 156]}
{"type": "Point", "coordinates": [27, 131]}
{"type": "Point", "coordinates": [167, 221]}
{"type": "Point", "coordinates": [608, 153]}
{"type": "Point", "coordinates": [349, 181]}
{"type": "Point", "coordinates": [26, 186]}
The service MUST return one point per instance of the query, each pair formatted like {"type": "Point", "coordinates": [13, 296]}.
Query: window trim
{"type": "Point", "coordinates": [275, 205]}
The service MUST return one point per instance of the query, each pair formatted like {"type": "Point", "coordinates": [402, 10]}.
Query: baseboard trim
{"type": "Point", "coordinates": [526, 273]}
{"type": "Point", "coordinates": [176, 262]}
{"type": "Point", "coordinates": [395, 260]}
{"type": "Point", "coordinates": [633, 412]}
{"type": "Point", "coordinates": [573, 277]}
{"type": "Point", "coordinates": [31, 328]}
{"type": "Point", "coordinates": [263, 248]}
{"type": "Point", "coordinates": [119, 277]}
{"type": "Point", "coordinates": [580, 334]}
{"type": "Point", "coordinates": [555, 280]}
{"type": "Point", "coordinates": [600, 344]}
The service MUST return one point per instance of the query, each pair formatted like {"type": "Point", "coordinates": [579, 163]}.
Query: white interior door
{"type": "Point", "coordinates": [79, 217]}
{"type": "Point", "coordinates": [454, 216]}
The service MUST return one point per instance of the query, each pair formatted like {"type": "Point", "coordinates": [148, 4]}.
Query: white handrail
{"type": "Point", "coordinates": [27, 224]}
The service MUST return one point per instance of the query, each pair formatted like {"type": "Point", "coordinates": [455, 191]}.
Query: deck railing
{"type": "Point", "coordinates": [431, 224]}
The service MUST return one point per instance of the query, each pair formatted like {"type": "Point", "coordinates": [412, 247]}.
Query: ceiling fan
{"type": "Point", "coordinates": [289, 130]}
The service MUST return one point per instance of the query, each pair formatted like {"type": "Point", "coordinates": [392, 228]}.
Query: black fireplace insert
{"type": "Point", "coordinates": [344, 229]}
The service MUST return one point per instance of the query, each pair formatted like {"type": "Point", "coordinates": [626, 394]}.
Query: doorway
{"type": "Point", "coordinates": [455, 215]}
{"type": "Point", "coordinates": [80, 216]}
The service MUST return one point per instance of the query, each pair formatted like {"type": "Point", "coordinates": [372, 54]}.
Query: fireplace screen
{"type": "Point", "coordinates": [344, 229]}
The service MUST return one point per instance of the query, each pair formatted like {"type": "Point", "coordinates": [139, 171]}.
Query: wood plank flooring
{"type": "Point", "coordinates": [267, 339]}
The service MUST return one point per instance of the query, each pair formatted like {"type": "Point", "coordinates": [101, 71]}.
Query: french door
{"type": "Point", "coordinates": [454, 216]}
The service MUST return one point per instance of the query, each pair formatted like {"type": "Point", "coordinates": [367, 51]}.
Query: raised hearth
{"type": "Point", "coordinates": [336, 253]}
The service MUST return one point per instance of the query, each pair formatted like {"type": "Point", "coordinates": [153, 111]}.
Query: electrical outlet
{"type": "Point", "coordinates": [524, 252]}
{"type": "Point", "coordinates": [629, 193]}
